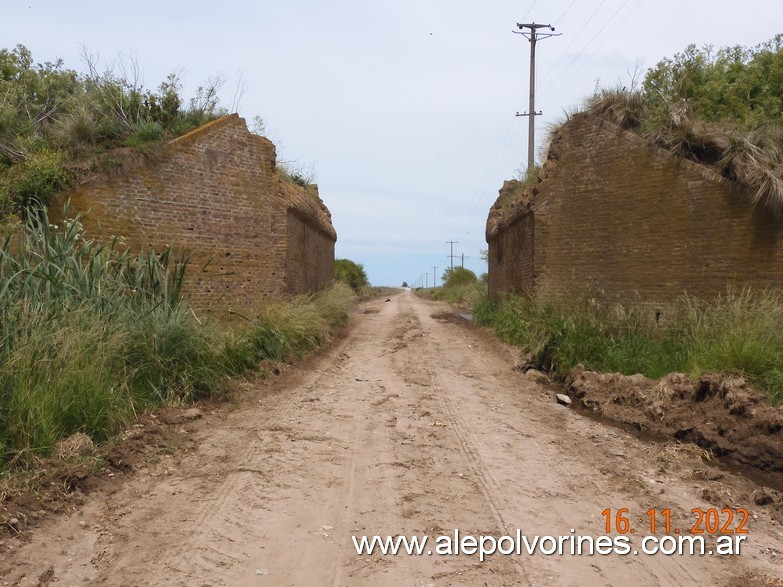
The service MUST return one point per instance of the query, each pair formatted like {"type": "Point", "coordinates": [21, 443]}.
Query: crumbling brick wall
{"type": "Point", "coordinates": [214, 194]}
{"type": "Point", "coordinates": [634, 224]}
{"type": "Point", "coordinates": [511, 249]}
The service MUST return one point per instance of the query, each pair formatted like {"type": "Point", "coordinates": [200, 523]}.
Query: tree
{"type": "Point", "coordinates": [404, 284]}
{"type": "Point", "coordinates": [350, 273]}
{"type": "Point", "coordinates": [454, 276]}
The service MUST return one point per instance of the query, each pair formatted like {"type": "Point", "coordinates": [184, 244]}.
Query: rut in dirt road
{"type": "Point", "coordinates": [408, 426]}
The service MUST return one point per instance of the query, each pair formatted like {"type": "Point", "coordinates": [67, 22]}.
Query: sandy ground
{"type": "Point", "coordinates": [409, 425]}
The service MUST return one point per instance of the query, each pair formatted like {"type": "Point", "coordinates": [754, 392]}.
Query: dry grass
{"type": "Point", "coordinates": [752, 157]}
{"type": "Point", "coordinates": [625, 109]}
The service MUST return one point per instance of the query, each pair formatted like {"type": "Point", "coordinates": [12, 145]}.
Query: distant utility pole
{"type": "Point", "coordinates": [434, 269]}
{"type": "Point", "coordinates": [451, 256]}
{"type": "Point", "coordinates": [426, 280]}
{"type": "Point", "coordinates": [533, 36]}
{"type": "Point", "coordinates": [463, 259]}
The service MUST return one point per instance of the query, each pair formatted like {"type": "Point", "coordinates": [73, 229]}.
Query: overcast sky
{"type": "Point", "coordinates": [405, 109]}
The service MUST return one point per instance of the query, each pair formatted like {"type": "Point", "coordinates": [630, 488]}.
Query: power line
{"type": "Point", "coordinates": [570, 63]}
{"type": "Point", "coordinates": [570, 6]}
{"type": "Point", "coordinates": [571, 44]}
{"type": "Point", "coordinates": [497, 163]}
{"type": "Point", "coordinates": [614, 30]}
{"type": "Point", "coordinates": [530, 9]}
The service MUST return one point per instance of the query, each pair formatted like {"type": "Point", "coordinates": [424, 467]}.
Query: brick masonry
{"type": "Point", "coordinates": [612, 217]}
{"type": "Point", "coordinates": [214, 194]}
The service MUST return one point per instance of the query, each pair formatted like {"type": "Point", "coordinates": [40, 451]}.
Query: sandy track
{"type": "Point", "coordinates": [410, 425]}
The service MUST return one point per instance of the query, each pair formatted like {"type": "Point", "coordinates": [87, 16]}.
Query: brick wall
{"type": "Point", "coordinates": [634, 224]}
{"type": "Point", "coordinates": [310, 260]}
{"type": "Point", "coordinates": [214, 194]}
{"type": "Point", "coordinates": [510, 252]}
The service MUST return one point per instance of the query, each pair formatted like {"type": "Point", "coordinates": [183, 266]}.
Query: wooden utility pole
{"type": "Point", "coordinates": [533, 36]}
{"type": "Point", "coordinates": [451, 256]}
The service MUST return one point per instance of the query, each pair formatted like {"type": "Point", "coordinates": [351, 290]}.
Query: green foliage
{"type": "Point", "coordinates": [722, 108]}
{"type": "Point", "coordinates": [146, 133]}
{"type": "Point", "coordinates": [350, 273]}
{"type": "Point", "coordinates": [52, 117]}
{"type": "Point", "coordinates": [90, 336]}
{"type": "Point", "coordinates": [288, 330]}
{"type": "Point", "coordinates": [467, 294]}
{"type": "Point", "coordinates": [739, 333]}
{"type": "Point", "coordinates": [734, 83]}
{"type": "Point", "coordinates": [454, 276]}
{"type": "Point", "coordinates": [35, 180]}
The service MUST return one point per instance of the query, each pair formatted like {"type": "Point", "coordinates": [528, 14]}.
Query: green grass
{"type": "Point", "coordinates": [466, 294]}
{"type": "Point", "coordinates": [287, 330]}
{"type": "Point", "coordinates": [740, 333]}
{"type": "Point", "coordinates": [91, 336]}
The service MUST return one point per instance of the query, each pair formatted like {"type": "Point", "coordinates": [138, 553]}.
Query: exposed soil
{"type": "Point", "coordinates": [409, 425]}
{"type": "Point", "coordinates": [723, 415]}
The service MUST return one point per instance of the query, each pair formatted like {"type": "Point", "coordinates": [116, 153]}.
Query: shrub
{"type": "Point", "coordinates": [39, 177]}
{"type": "Point", "coordinates": [454, 276]}
{"type": "Point", "coordinates": [350, 273]}
{"type": "Point", "coordinates": [51, 118]}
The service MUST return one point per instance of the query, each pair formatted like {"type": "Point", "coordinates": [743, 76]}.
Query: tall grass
{"type": "Point", "coordinates": [466, 294]}
{"type": "Point", "coordinates": [286, 330]}
{"type": "Point", "coordinates": [738, 333]}
{"type": "Point", "coordinates": [91, 335]}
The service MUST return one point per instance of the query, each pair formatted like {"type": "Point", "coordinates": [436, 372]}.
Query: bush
{"type": "Point", "coordinates": [52, 118]}
{"type": "Point", "coordinates": [33, 182]}
{"type": "Point", "coordinates": [455, 276]}
{"type": "Point", "coordinates": [350, 273]}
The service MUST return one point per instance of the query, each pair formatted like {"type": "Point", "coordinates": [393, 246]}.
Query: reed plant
{"type": "Point", "coordinates": [90, 335]}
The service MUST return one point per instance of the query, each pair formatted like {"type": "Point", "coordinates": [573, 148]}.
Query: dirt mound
{"type": "Point", "coordinates": [723, 415]}
{"type": "Point", "coordinates": [61, 482]}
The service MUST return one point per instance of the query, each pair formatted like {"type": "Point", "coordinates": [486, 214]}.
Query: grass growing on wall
{"type": "Point", "coordinates": [56, 123]}
{"type": "Point", "coordinates": [739, 333]}
{"type": "Point", "coordinates": [90, 336]}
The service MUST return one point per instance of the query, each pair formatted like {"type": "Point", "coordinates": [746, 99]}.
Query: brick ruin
{"type": "Point", "coordinates": [619, 220]}
{"type": "Point", "coordinates": [214, 194]}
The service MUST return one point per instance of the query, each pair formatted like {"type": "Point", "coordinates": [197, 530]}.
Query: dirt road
{"type": "Point", "coordinates": [410, 425]}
